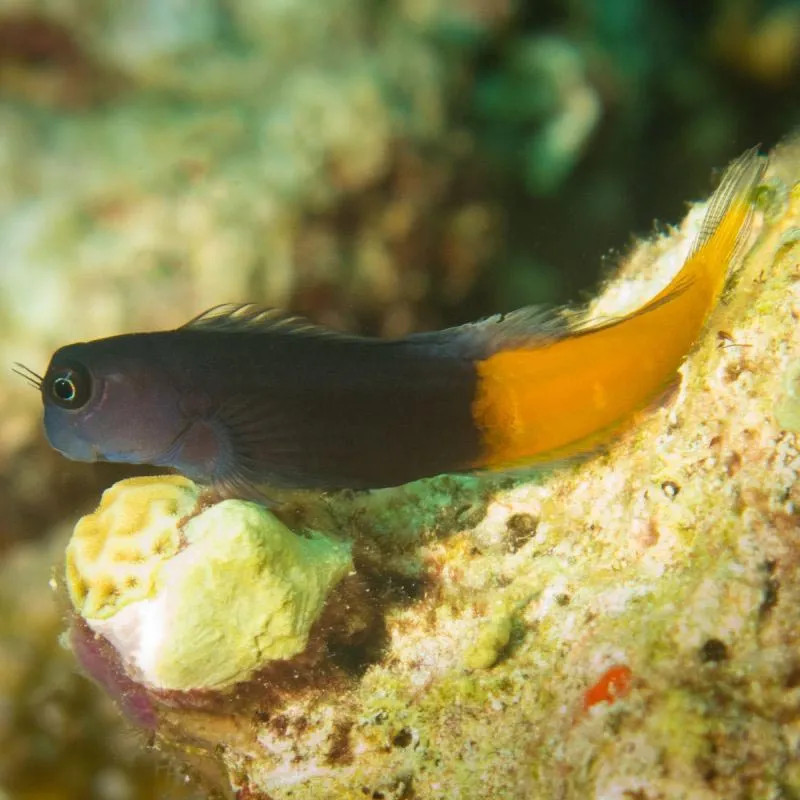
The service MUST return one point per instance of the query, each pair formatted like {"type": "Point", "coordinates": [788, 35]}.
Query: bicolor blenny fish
{"type": "Point", "coordinates": [242, 397]}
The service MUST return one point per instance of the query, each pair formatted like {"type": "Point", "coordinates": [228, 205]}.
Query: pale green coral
{"type": "Point", "coordinates": [199, 605]}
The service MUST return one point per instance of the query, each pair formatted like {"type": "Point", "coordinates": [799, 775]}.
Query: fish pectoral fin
{"type": "Point", "coordinates": [257, 438]}
{"type": "Point", "coordinates": [201, 449]}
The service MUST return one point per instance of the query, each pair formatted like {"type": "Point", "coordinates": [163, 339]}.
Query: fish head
{"type": "Point", "coordinates": [104, 401]}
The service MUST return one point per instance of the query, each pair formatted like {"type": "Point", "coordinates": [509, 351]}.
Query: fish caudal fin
{"type": "Point", "coordinates": [553, 397]}
{"type": "Point", "coordinates": [734, 193]}
{"type": "Point", "coordinates": [723, 232]}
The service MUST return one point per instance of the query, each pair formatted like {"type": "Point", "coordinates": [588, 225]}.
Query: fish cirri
{"type": "Point", "coordinates": [243, 396]}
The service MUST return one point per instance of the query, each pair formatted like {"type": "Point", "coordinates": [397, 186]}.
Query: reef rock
{"type": "Point", "coordinates": [623, 626]}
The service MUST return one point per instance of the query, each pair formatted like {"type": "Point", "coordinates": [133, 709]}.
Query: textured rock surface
{"type": "Point", "coordinates": [622, 626]}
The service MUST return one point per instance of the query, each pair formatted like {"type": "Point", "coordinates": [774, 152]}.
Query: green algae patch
{"type": "Point", "coordinates": [490, 641]}
{"type": "Point", "coordinates": [204, 605]}
{"type": "Point", "coordinates": [787, 409]}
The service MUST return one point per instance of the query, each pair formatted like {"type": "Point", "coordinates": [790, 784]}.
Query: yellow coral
{"type": "Point", "coordinates": [202, 606]}
{"type": "Point", "coordinates": [113, 553]}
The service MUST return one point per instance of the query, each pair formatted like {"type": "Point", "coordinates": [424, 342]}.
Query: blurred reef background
{"type": "Point", "coordinates": [382, 166]}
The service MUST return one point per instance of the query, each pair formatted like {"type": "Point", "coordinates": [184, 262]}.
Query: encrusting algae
{"type": "Point", "coordinates": [623, 626]}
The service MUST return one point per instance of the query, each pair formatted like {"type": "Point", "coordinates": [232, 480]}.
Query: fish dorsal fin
{"type": "Point", "coordinates": [529, 322]}
{"type": "Point", "coordinates": [253, 318]}
{"type": "Point", "coordinates": [525, 327]}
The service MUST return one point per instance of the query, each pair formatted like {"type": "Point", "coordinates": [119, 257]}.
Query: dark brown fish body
{"type": "Point", "coordinates": [244, 396]}
{"type": "Point", "coordinates": [286, 406]}
{"type": "Point", "coordinates": [324, 411]}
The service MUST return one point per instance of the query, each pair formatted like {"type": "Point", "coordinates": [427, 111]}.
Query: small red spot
{"type": "Point", "coordinates": [614, 683]}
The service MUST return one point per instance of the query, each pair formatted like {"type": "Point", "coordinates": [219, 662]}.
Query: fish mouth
{"type": "Point", "coordinates": [79, 450]}
{"type": "Point", "coordinates": [66, 440]}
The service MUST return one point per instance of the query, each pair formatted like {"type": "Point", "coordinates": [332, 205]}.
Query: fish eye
{"type": "Point", "coordinates": [70, 387]}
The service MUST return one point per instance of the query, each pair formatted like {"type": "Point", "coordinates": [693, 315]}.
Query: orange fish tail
{"type": "Point", "coordinates": [551, 397]}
